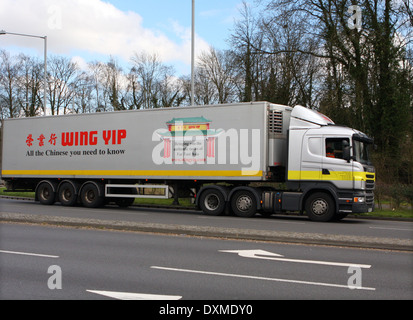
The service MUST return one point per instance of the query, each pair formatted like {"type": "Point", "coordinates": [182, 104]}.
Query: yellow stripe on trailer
{"type": "Point", "coordinates": [132, 173]}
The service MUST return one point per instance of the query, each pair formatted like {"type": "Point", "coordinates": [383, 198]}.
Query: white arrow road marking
{"type": "Point", "coordinates": [134, 296]}
{"type": "Point", "coordinates": [253, 253]}
{"type": "Point", "coordinates": [29, 254]}
{"type": "Point", "coordinates": [261, 254]}
{"type": "Point", "coordinates": [262, 278]}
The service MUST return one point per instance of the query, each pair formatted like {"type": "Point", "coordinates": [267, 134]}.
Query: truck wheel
{"type": "Point", "coordinates": [320, 207]}
{"type": "Point", "coordinates": [212, 202]}
{"type": "Point", "coordinates": [244, 204]}
{"type": "Point", "coordinates": [90, 196]}
{"type": "Point", "coordinates": [67, 194]}
{"type": "Point", "coordinates": [45, 193]}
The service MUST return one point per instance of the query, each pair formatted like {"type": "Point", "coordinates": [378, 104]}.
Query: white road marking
{"type": "Point", "coordinates": [265, 255]}
{"type": "Point", "coordinates": [262, 278]}
{"type": "Point", "coordinates": [253, 253]}
{"type": "Point", "coordinates": [29, 254]}
{"type": "Point", "coordinates": [134, 296]}
{"type": "Point", "coordinates": [389, 228]}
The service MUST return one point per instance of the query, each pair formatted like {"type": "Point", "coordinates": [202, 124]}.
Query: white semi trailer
{"type": "Point", "coordinates": [225, 156]}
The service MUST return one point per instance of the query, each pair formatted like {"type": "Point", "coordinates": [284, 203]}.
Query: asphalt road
{"type": "Point", "coordinates": [39, 262]}
{"type": "Point", "coordinates": [194, 260]}
{"type": "Point", "coordinates": [382, 234]}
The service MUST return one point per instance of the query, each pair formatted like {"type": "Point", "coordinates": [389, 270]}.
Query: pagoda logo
{"type": "Point", "coordinates": [189, 140]}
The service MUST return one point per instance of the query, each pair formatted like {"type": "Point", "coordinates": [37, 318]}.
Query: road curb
{"type": "Point", "coordinates": [215, 232]}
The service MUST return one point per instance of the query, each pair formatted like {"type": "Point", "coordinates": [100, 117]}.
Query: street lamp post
{"type": "Point", "coordinates": [193, 54]}
{"type": "Point", "coordinates": [2, 32]}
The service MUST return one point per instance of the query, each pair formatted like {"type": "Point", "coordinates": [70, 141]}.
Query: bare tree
{"type": "Point", "coordinates": [9, 73]}
{"type": "Point", "coordinates": [218, 68]}
{"type": "Point", "coordinates": [148, 68]}
{"type": "Point", "coordinates": [204, 92]}
{"type": "Point", "coordinates": [246, 38]}
{"type": "Point", "coordinates": [97, 74]}
{"type": "Point", "coordinates": [83, 101]}
{"type": "Point", "coordinates": [62, 82]}
{"type": "Point", "coordinates": [113, 84]}
{"type": "Point", "coordinates": [170, 92]}
{"type": "Point", "coordinates": [269, 59]}
{"type": "Point", "coordinates": [30, 88]}
{"type": "Point", "coordinates": [152, 82]}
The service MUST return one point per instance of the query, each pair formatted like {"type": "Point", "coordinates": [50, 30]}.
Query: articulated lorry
{"type": "Point", "coordinates": [228, 158]}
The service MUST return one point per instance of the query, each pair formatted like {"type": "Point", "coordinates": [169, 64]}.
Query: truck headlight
{"type": "Point", "coordinates": [359, 199]}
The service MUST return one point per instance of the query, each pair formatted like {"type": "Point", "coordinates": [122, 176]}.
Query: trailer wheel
{"type": "Point", "coordinates": [320, 207]}
{"type": "Point", "coordinates": [67, 194]}
{"type": "Point", "coordinates": [244, 204]}
{"type": "Point", "coordinates": [45, 192]}
{"type": "Point", "coordinates": [90, 195]}
{"type": "Point", "coordinates": [212, 202]}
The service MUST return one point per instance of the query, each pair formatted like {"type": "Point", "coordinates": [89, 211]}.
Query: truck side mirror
{"type": "Point", "coordinates": [346, 153]}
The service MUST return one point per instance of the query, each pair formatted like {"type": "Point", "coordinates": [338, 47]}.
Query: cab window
{"type": "Point", "coordinates": [335, 147]}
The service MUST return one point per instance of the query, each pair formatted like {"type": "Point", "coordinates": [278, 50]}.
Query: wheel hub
{"type": "Point", "coordinates": [212, 202]}
{"type": "Point", "coordinates": [67, 194]}
{"type": "Point", "coordinates": [244, 203]}
{"type": "Point", "coordinates": [320, 207]}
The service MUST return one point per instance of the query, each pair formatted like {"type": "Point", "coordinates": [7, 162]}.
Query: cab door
{"type": "Point", "coordinates": [312, 157]}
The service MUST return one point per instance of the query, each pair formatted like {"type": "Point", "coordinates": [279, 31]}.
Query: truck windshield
{"type": "Point", "coordinates": [362, 152]}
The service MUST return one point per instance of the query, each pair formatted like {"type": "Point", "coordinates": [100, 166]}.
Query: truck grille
{"type": "Point", "coordinates": [275, 122]}
{"type": "Point", "coordinates": [370, 182]}
{"type": "Point", "coordinates": [370, 198]}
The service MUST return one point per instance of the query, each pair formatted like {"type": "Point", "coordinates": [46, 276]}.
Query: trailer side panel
{"type": "Point", "coordinates": [227, 142]}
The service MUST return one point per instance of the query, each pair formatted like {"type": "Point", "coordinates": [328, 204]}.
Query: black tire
{"type": "Point", "coordinates": [45, 193]}
{"type": "Point", "coordinates": [67, 194]}
{"type": "Point", "coordinates": [244, 204]}
{"type": "Point", "coordinates": [320, 207]}
{"type": "Point", "coordinates": [91, 196]}
{"type": "Point", "coordinates": [212, 202]}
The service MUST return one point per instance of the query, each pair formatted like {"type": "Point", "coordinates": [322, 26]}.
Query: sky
{"type": "Point", "coordinates": [95, 30]}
